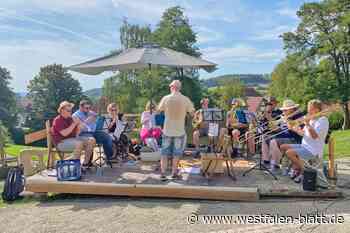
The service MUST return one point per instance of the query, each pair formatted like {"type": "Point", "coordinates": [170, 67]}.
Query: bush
{"type": "Point", "coordinates": [336, 120]}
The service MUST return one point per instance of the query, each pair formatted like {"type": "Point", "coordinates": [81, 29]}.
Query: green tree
{"type": "Point", "coordinates": [8, 109]}
{"type": "Point", "coordinates": [292, 78]}
{"type": "Point", "coordinates": [224, 93]}
{"type": "Point", "coordinates": [175, 32]}
{"type": "Point", "coordinates": [324, 34]}
{"type": "Point", "coordinates": [51, 86]}
{"type": "Point", "coordinates": [4, 138]}
{"type": "Point", "coordinates": [133, 35]}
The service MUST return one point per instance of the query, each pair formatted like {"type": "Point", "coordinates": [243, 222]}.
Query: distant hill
{"type": "Point", "coordinates": [94, 93]}
{"type": "Point", "coordinates": [247, 79]}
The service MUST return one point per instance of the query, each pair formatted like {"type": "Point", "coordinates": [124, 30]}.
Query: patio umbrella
{"type": "Point", "coordinates": [143, 57]}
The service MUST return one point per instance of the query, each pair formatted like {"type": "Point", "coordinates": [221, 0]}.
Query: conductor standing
{"type": "Point", "coordinates": [175, 107]}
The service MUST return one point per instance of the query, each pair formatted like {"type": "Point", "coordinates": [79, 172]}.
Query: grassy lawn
{"type": "Point", "coordinates": [342, 143]}
{"type": "Point", "coordinates": [14, 150]}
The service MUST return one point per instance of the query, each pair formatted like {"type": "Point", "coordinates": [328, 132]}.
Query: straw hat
{"type": "Point", "coordinates": [64, 104]}
{"type": "Point", "coordinates": [289, 104]}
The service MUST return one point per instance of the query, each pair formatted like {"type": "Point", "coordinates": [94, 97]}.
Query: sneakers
{"type": "Point", "coordinates": [163, 177]}
{"type": "Point", "coordinates": [176, 177]}
{"type": "Point", "coordinates": [298, 179]}
{"type": "Point", "coordinates": [285, 171]}
{"type": "Point", "coordinates": [273, 171]}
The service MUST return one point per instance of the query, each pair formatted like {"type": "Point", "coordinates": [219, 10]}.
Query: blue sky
{"type": "Point", "coordinates": [240, 36]}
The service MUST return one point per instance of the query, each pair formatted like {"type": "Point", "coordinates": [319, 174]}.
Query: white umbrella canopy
{"type": "Point", "coordinates": [143, 57]}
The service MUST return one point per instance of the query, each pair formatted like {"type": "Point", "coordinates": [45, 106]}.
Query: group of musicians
{"type": "Point", "coordinates": [275, 131]}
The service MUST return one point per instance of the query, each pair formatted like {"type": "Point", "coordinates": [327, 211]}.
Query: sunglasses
{"type": "Point", "coordinates": [68, 110]}
{"type": "Point", "coordinates": [113, 110]}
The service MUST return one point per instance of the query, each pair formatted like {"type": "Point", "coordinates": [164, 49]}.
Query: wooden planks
{"type": "Point", "coordinates": [42, 184]}
{"type": "Point", "coordinates": [36, 136]}
{"type": "Point", "coordinates": [302, 194]}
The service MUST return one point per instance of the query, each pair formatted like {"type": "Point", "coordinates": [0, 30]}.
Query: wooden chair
{"type": "Point", "coordinates": [51, 149]}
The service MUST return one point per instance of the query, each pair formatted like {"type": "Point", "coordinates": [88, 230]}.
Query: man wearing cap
{"type": "Point", "coordinates": [65, 131]}
{"type": "Point", "coordinates": [175, 107]}
{"type": "Point", "coordinates": [290, 111]}
{"type": "Point", "coordinates": [201, 127]}
{"type": "Point", "coordinates": [87, 119]}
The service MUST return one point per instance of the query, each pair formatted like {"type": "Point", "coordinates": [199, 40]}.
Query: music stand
{"type": "Point", "coordinates": [260, 166]}
{"type": "Point", "coordinates": [214, 116]}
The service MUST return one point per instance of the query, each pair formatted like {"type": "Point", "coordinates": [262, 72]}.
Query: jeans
{"type": "Point", "coordinates": [102, 138]}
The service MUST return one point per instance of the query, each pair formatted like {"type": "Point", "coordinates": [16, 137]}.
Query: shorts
{"type": "Point", "coordinates": [302, 152]}
{"type": "Point", "coordinates": [203, 132]}
{"type": "Point", "coordinates": [242, 131]}
{"type": "Point", "coordinates": [173, 146]}
{"type": "Point", "coordinates": [281, 141]}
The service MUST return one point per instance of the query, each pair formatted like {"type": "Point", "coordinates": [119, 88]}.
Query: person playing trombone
{"type": "Point", "coordinates": [285, 136]}
{"type": "Point", "coordinates": [314, 135]}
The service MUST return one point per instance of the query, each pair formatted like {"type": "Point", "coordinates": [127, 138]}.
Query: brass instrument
{"type": "Point", "coordinates": [295, 123]}
{"type": "Point", "coordinates": [197, 120]}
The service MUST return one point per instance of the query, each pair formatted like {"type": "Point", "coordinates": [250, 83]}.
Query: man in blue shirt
{"type": "Point", "coordinates": [87, 118]}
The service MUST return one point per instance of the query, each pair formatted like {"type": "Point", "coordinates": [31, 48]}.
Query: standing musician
{"type": "Point", "coordinates": [314, 135]}
{"type": "Point", "coordinates": [290, 112]}
{"type": "Point", "coordinates": [271, 113]}
{"type": "Point", "coordinates": [236, 123]}
{"type": "Point", "coordinates": [200, 126]}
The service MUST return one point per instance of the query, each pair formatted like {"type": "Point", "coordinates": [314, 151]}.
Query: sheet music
{"type": "Point", "coordinates": [213, 129]}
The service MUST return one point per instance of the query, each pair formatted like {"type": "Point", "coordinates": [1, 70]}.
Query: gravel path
{"type": "Point", "coordinates": [105, 214]}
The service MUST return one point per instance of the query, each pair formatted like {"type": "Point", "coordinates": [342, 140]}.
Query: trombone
{"type": "Point", "coordinates": [292, 123]}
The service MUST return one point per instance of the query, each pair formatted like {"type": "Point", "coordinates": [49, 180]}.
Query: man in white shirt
{"type": "Point", "coordinates": [175, 107]}
{"type": "Point", "coordinates": [314, 135]}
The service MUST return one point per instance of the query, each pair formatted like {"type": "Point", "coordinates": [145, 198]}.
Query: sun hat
{"type": "Point", "coordinates": [63, 105]}
{"type": "Point", "coordinates": [289, 104]}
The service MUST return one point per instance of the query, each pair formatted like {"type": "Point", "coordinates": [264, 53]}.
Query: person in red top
{"type": "Point", "coordinates": [65, 131]}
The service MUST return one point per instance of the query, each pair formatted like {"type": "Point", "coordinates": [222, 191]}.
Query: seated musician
{"type": "Point", "coordinates": [65, 130]}
{"type": "Point", "coordinates": [236, 123]}
{"type": "Point", "coordinates": [200, 126]}
{"type": "Point", "coordinates": [314, 135]}
{"type": "Point", "coordinates": [150, 133]}
{"type": "Point", "coordinates": [283, 135]}
{"type": "Point", "coordinates": [272, 112]}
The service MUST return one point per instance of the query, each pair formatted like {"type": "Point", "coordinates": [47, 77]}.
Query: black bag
{"type": "Point", "coordinates": [14, 184]}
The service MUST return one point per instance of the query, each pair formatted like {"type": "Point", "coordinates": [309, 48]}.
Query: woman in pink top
{"type": "Point", "coordinates": [149, 128]}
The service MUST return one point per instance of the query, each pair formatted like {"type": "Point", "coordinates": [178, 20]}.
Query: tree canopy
{"type": "Point", "coordinates": [318, 61]}
{"type": "Point", "coordinates": [8, 110]}
{"type": "Point", "coordinates": [51, 86]}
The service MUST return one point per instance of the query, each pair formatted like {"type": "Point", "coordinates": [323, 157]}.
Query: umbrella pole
{"type": "Point", "coordinates": [151, 91]}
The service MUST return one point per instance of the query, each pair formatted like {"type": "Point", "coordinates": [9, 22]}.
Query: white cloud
{"type": "Point", "coordinates": [57, 5]}
{"type": "Point", "coordinates": [205, 35]}
{"type": "Point", "coordinates": [24, 59]}
{"type": "Point", "coordinates": [273, 33]}
{"type": "Point", "coordinates": [151, 10]}
{"type": "Point", "coordinates": [286, 11]}
{"type": "Point", "coordinates": [241, 54]}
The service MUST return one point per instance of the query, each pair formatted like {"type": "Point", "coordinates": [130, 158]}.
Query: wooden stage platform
{"type": "Point", "coordinates": [142, 180]}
